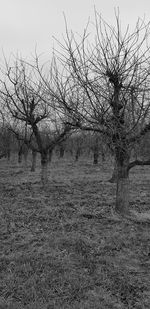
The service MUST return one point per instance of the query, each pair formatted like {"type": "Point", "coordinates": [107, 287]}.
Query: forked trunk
{"type": "Point", "coordinates": [44, 168]}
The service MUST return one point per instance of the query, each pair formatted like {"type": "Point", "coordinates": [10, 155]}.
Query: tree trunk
{"type": "Point", "coordinates": [122, 189]}
{"type": "Point", "coordinates": [43, 153]}
{"type": "Point", "coordinates": [50, 152]}
{"type": "Point", "coordinates": [78, 153]}
{"type": "Point", "coordinates": [122, 195]}
{"type": "Point", "coordinates": [44, 167]}
{"type": "Point", "coordinates": [113, 178]}
{"type": "Point", "coordinates": [8, 154]}
{"type": "Point", "coordinates": [20, 155]}
{"type": "Point", "coordinates": [96, 151]}
{"type": "Point", "coordinates": [96, 155]}
{"type": "Point", "coordinates": [103, 155]}
{"type": "Point", "coordinates": [61, 151]}
{"type": "Point", "coordinates": [34, 155]}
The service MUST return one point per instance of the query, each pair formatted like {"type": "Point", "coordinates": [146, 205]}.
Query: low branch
{"type": "Point", "coordinates": [140, 134]}
{"type": "Point", "coordinates": [138, 162]}
{"type": "Point", "coordinates": [89, 128]}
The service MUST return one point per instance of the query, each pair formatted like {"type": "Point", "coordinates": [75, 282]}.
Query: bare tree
{"type": "Point", "coordinates": [27, 101]}
{"type": "Point", "coordinates": [111, 83]}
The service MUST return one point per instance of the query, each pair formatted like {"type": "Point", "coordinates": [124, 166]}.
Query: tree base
{"type": "Point", "coordinates": [132, 216]}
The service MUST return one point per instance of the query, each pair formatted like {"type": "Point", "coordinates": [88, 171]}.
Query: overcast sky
{"type": "Point", "coordinates": [25, 23]}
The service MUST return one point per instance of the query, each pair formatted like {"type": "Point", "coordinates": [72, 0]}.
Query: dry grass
{"type": "Point", "coordinates": [59, 247]}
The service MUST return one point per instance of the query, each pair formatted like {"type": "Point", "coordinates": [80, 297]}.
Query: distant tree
{"type": "Point", "coordinates": [61, 148]}
{"type": "Point", "coordinates": [95, 147]}
{"type": "Point", "coordinates": [33, 160]}
{"type": "Point", "coordinates": [78, 145]}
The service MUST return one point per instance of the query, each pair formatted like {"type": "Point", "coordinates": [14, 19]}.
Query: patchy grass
{"type": "Point", "coordinates": [59, 246]}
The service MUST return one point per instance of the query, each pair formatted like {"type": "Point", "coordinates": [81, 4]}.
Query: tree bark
{"type": "Point", "coordinates": [122, 188]}
{"type": "Point", "coordinates": [122, 196]}
{"type": "Point", "coordinates": [113, 178]}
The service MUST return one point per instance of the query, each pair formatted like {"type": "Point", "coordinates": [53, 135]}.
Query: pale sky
{"type": "Point", "coordinates": [25, 23]}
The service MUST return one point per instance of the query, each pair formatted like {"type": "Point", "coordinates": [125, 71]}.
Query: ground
{"type": "Point", "coordinates": [60, 246]}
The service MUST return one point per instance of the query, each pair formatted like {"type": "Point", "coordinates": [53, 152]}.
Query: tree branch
{"type": "Point", "coordinates": [138, 162]}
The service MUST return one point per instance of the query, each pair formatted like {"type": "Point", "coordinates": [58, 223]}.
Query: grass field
{"type": "Point", "coordinates": [59, 246]}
